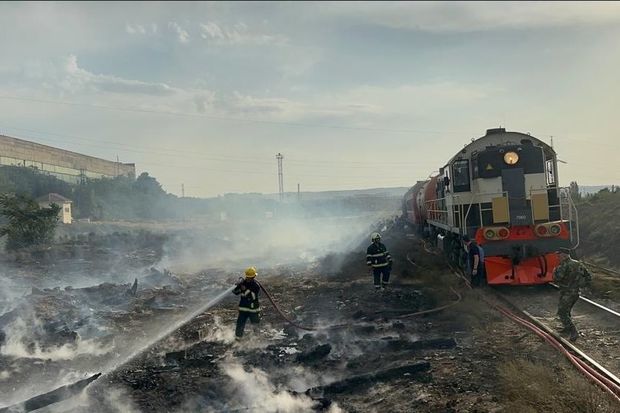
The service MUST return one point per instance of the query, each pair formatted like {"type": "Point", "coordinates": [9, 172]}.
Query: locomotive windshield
{"type": "Point", "coordinates": [491, 162]}
{"type": "Point", "coordinates": [460, 174]}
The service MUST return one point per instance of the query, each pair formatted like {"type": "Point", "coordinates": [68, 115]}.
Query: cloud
{"type": "Point", "coordinates": [473, 16]}
{"type": "Point", "coordinates": [182, 34]}
{"type": "Point", "coordinates": [360, 105]}
{"type": "Point", "coordinates": [203, 101]}
{"type": "Point", "coordinates": [141, 29]}
{"type": "Point", "coordinates": [422, 98]}
{"type": "Point", "coordinates": [238, 34]}
{"type": "Point", "coordinates": [133, 29]}
{"type": "Point", "coordinates": [75, 79]}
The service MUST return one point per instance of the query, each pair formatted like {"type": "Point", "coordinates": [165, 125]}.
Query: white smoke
{"type": "Point", "coordinates": [217, 332]}
{"type": "Point", "coordinates": [254, 391]}
{"type": "Point", "coordinates": [10, 293]}
{"type": "Point", "coordinates": [18, 334]}
{"type": "Point", "coordinates": [263, 244]}
{"type": "Point", "coordinates": [112, 400]}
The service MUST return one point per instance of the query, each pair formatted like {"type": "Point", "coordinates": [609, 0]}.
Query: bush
{"type": "Point", "coordinates": [27, 223]}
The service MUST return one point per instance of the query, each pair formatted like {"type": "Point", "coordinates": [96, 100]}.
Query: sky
{"type": "Point", "coordinates": [354, 95]}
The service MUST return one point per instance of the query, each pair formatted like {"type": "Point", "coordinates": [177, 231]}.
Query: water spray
{"type": "Point", "coordinates": [67, 391]}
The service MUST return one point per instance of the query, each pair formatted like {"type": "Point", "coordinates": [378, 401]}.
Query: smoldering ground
{"type": "Point", "coordinates": [105, 340]}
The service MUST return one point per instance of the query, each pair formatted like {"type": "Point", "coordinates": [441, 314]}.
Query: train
{"type": "Point", "coordinates": [502, 191]}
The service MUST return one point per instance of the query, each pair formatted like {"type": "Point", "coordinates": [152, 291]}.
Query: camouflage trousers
{"type": "Point", "coordinates": [568, 298]}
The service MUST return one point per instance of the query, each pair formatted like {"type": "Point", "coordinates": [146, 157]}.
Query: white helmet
{"type": "Point", "coordinates": [375, 236]}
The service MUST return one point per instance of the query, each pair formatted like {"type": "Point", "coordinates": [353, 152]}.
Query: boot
{"type": "Point", "coordinates": [574, 335]}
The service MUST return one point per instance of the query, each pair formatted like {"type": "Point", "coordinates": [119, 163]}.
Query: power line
{"type": "Point", "coordinates": [98, 143]}
{"type": "Point", "coordinates": [213, 117]}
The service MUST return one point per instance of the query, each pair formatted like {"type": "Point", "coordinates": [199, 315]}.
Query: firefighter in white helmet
{"type": "Point", "coordinates": [378, 257]}
{"type": "Point", "coordinates": [249, 307]}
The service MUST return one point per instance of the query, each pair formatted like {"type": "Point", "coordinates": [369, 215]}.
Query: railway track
{"type": "Point", "coordinates": [599, 325]}
{"type": "Point", "coordinates": [595, 354]}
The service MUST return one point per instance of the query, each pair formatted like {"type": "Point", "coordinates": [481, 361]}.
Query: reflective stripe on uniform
{"type": "Point", "coordinates": [249, 310]}
{"type": "Point", "coordinates": [385, 264]}
{"type": "Point", "coordinates": [375, 255]}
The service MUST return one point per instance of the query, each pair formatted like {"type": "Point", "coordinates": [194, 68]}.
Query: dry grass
{"type": "Point", "coordinates": [536, 387]}
{"type": "Point", "coordinates": [606, 286]}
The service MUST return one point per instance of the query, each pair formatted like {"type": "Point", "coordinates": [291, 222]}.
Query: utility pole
{"type": "Point", "coordinates": [182, 190]}
{"type": "Point", "coordinates": [117, 166]}
{"type": "Point", "coordinates": [279, 157]}
{"type": "Point", "coordinates": [298, 194]}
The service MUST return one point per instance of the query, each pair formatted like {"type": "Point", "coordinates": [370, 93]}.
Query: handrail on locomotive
{"type": "Point", "coordinates": [568, 210]}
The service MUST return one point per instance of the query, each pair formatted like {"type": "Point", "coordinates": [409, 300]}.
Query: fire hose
{"type": "Point", "coordinates": [291, 322]}
{"type": "Point", "coordinates": [609, 386]}
{"type": "Point", "coordinates": [406, 315]}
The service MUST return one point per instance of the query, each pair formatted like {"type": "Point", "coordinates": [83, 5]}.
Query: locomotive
{"type": "Point", "coordinates": [502, 191]}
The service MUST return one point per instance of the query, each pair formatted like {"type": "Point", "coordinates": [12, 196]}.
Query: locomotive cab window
{"type": "Point", "coordinates": [460, 175]}
{"type": "Point", "coordinates": [550, 172]}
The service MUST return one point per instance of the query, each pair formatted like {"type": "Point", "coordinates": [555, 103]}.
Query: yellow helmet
{"type": "Point", "coordinates": [251, 272]}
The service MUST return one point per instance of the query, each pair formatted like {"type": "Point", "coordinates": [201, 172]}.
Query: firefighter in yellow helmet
{"type": "Point", "coordinates": [249, 307]}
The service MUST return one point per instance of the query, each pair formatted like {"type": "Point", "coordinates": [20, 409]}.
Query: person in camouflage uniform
{"type": "Point", "coordinates": [570, 276]}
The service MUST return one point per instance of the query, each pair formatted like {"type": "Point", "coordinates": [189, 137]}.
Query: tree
{"type": "Point", "coordinates": [148, 185]}
{"type": "Point", "coordinates": [574, 190]}
{"type": "Point", "coordinates": [28, 224]}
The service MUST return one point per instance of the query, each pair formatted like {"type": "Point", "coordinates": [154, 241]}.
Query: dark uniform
{"type": "Point", "coordinates": [378, 257]}
{"type": "Point", "coordinates": [570, 276]}
{"type": "Point", "coordinates": [248, 305]}
{"type": "Point", "coordinates": [474, 250]}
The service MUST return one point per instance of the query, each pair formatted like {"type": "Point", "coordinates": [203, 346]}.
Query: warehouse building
{"type": "Point", "coordinates": [69, 166]}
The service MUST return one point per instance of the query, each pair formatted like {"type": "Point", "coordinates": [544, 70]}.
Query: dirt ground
{"type": "Point", "coordinates": [366, 354]}
{"type": "Point", "coordinates": [363, 351]}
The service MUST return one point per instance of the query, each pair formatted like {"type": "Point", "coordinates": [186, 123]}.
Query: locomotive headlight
{"type": "Point", "coordinates": [511, 158]}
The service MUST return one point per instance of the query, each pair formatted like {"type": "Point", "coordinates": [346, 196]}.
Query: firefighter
{"type": "Point", "coordinates": [249, 307]}
{"type": "Point", "coordinates": [378, 257]}
{"type": "Point", "coordinates": [570, 276]}
{"type": "Point", "coordinates": [475, 261]}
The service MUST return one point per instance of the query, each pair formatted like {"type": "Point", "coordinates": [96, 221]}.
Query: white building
{"type": "Point", "coordinates": [65, 205]}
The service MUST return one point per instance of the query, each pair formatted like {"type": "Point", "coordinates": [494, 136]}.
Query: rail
{"type": "Point", "coordinates": [589, 367]}
{"type": "Point", "coordinates": [592, 303]}
{"type": "Point", "coordinates": [573, 216]}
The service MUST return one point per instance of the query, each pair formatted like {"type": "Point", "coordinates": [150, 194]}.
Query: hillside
{"type": "Point", "coordinates": [599, 217]}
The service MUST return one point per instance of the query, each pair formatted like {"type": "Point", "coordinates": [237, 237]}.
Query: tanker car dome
{"type": "Point", "coordinates": [495, 131]}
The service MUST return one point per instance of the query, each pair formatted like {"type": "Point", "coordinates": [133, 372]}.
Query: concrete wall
{"type": "Point", "coordinates": [15, 151]}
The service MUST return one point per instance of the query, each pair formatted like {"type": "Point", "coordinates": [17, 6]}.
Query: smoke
{"type": "Point", "coordinates": [263, 243]}
{"type": "Point", "coordinates": [10, 292]}
{"type": "Point", "coordinates": [135, 326]}
{"type": "Point", "coordinates": [20, 343]}
{"type": "Point", "coordinates": [253, 391]}
{"type": "Point", "coordinates": [111, 400]}
{"type": "Point", "coordinates": [217, 332]}
{"type": "Point", "coordinates": [301, 379]}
